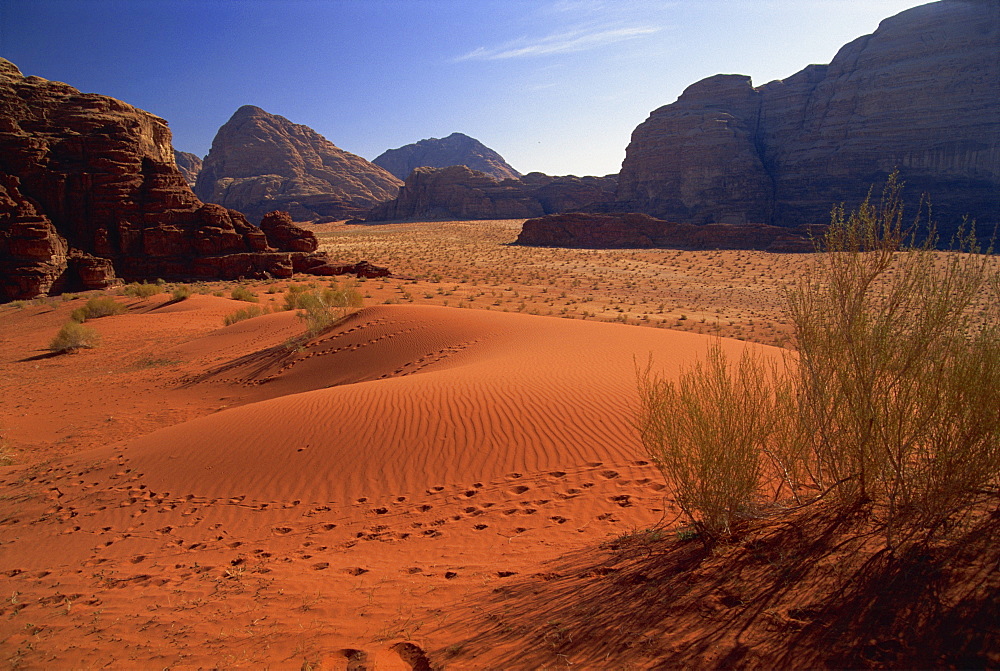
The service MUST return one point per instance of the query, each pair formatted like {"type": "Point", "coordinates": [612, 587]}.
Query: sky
{"type": "Point", "coordinates": [555, 86]}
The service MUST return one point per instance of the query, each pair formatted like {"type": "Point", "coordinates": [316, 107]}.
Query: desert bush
{"type": "Point", "coordinates": [181, 292]}
{"type": "Point", "coordinates": [241, 293]}
{"type": "Point", "coordinates": [899, 367]}
{"type": "Point", "coordinates": [141, 290]}
{"type": "Point", "coordinates": [293, 294]}
{"type": "Point", "coordinates": [321, 308]}
{"type": "Point", "coordinates": [244, 313]}
{"type": "Point", "coordinates": [73, 336]}
{"type": "Point", "coordinates": [97, 306]}
{"type": "Point", "coordinates": [709, 432]}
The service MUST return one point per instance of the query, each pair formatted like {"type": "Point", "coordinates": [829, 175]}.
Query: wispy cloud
{"type": "Point", "coordinates": [558, 43]}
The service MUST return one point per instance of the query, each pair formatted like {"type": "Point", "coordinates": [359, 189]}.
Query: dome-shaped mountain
{"type": "Point", "coordinates": [261, 162]}
{"type": "Point", "coordinates": [456, 149]}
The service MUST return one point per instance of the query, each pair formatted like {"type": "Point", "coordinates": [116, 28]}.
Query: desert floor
{"type": "Point", "coordinates": [448, 478]}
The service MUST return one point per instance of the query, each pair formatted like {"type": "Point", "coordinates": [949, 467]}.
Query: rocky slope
{"type": "Point", "coordinates": [633, 230]}
{"type": "Point", "coordinates": [262, 162]}
{"type": "Point", "coordinates": [458, 193]}
{"type": "Point", "coordinates": [456, 149]}
{"type": "Point", "coordinates": [90, 193]}
{"type": "Point", "coordinates": [920, 94]}
{"type": "Point", "coordinates": [189, 164]}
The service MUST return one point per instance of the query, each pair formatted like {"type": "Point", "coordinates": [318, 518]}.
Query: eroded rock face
{"type": "Point", "coordinates": [89, 192]}
{"type": "Point", "coordinates": [262, 162]}
{"type": "Point", "coordinates": [920, 94]}
{"type": "Point", "coordinates": [460, 193]}
{"type": "Point", "coordinates": [633, 230]}
{"type": "Point", "coordinates": [285, 235]}
{"type": "Point", "coordinates": [456, 149]}
{"type": "Point", "coordinates": [189, 165]}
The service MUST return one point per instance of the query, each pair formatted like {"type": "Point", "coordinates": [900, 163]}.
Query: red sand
{"type": "Point", "coordinates": [192, 497]}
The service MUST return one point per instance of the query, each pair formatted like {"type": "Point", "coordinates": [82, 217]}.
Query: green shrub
{"type": "Point", "coordinates": [293, 294]}
{"type": "Point", "coordinates": [181, 292]}
{"type": "Point", "coordinates": [320, 309]}
{"type": "Point", "coordinates": [244, 313]}
{"type": "Point", "coordinates": [143, 290]}
{"type": "Point", "coordinates": [73, 336]}
{"type": "Point", "coordinates": [98, 306]}
{"type": "Point", "coordinates": [241, 293]}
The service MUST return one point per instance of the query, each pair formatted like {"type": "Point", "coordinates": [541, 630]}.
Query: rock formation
{"type": "Point", "coordinates": [262, 162]}
{"type": "Point", "coordinates": [89, 193]}
{"type": "Point", "coordinates": [189, 165]}
{"type": "Point", "coordinates": [920, 94]}
{"type": "Point", "coordinates": [456, 149]}
{"type": "Point", "coordinates": [459, 193]}
{"type": "Point", "coordinates": [633, 230]}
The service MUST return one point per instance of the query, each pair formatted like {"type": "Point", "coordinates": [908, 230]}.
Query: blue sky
{"type": "Point", "coordinates": [553, 85]}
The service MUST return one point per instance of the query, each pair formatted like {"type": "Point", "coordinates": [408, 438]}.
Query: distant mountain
{"type": "Point", "coordinates": [921, 93]}
{"type": "Point", "coordinates": [261, 162]}
{"type": "Point", "coordinates": [189, 164]}
{"type": "Point", "coordinates": [456, 149]}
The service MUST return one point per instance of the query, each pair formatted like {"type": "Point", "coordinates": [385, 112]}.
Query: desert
{"type": "Point", "coordinates": [730, 399]}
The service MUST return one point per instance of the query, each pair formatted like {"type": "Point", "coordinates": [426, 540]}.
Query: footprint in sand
{"type": "Point", "coordinates": [610, 475]}
{"type": "Point", "coordinates": [520, 489]}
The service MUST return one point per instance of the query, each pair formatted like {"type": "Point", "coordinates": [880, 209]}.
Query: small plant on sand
{"type": "Point", "coordinates": [141, 290]}
{"type": "Point", "coordinates": [181, 292]}
{"type": "Point", "coordinates": [321, 308]}
{"type": "Point", "coordinates": [98, 306]}
{"type": "Point", "coordinates": [73, 336]}
{"type": "Point", "coordinates": [248, 312]}
{"type": "Point", "coordinates": [241, 293]}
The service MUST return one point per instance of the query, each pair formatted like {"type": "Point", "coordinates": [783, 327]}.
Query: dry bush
{"type": "Point", "coordinates": [181, 292]}
{"type": "Point", "coordinates": [241, 293]}
{"type": "Point", "coordinates": [73, 336]}
{"type": "Point", "coordinates": [248, 312]}
{"type": "Point", "coordinates": [710, 432]}
{"type": "Point", "coordinates": [321, 308]}
{"type": "Point", "coordinates": [143, 290]}
{"type": "Point", "coordinates": [98, 306]}
{"type": "Point", "coordinates": [899, 368]}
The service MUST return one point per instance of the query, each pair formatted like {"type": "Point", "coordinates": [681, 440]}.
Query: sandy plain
{"type": "Point", "coordinates": [448, 478]}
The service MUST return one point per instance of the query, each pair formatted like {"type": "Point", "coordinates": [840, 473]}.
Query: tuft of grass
{"type": "Point", "coordinates": [181, 292]}
{"type": "Point", "coordinates": [74, 336]}
{"type": "Point", "coordinates": [241, 293]}
{"type": "Point", "coordinates": [143, 290]}
{"type": "Point", "coordinates": [98, 306]}
{"type": "Point", "coordinates": [321, 308]}
{"type": "Point", "coordinates": [248, 312]}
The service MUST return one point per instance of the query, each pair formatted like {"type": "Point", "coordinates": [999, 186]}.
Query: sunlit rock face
{"type": "Point", "coordinates": [456, 149]}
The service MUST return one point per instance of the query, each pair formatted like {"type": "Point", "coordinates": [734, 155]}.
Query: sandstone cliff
{"type": "Point", "coordinates": [89, 193]}
{"type": "Point", "coordinates": [189, 165]}
{"type": "Point", "coordinates": [456, 149]}
{"type": "Point", "coordinates": [920, 94]}
{"type": "Point", "coordinates": [634, 230]}
{"type": "Point", "coordinates": [458, 193]}
{"type": "Point", "coordinates": [262, 162]}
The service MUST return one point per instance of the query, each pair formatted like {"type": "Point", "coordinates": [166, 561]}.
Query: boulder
{"type": "Point", "coordinates": [456, 149]}
{"type": "Point", "coordinates": [286, 236]}
{"type": "Point", "coordinates": [261, 162]}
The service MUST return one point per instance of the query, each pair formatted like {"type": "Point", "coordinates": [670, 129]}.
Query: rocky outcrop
{"type": "Point", "coordinates": [456, 149]}
{"type": "Point", "coordinates": [632, 230]}
{"type": "Point", "coordinates": [189, 166]}
{"type": "Point", "coordinates": [89, 193]}
{"type": "Point", "coordinates": [460, 193]}
{"type": "Point", "coordinates": [920, 94]}
{"type": "Point", "coordinates": [283, 234]}
{"type": "Point", "coordinates": [262, 162]}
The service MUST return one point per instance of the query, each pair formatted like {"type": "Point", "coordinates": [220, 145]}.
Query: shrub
{"type": "Point", "coordinates": [143, 290]}
{"type": "Point", "coordinates": [241, 293]}
{"type": "Point", "coordinates": [98, 306]}
{"type": "Point", "coordinates": [320, 309]}
{"type": "Point", "coordinates": [73, 336]}
{"type": "Point", "coordinates": [709, 432]}
{"type": "Point", "coordinates": [244, 313]}
{"type": "Point", "coordinates": [181, 292]}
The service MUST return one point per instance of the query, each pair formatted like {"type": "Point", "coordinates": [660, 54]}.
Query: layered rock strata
{"type": "Point", "coordinates": [261, 162]}
{"type": "Point", "coordinates": [189, 165]}
{"type": "Point", "coordinates": [633, 230]}
{"type": "Point", "coordinates": [920, 94]}
{"type": "Point", "coordinates": [89, 193]}
{"type": "Point", "coordinates": [459, 193]}
{"type": "Point", "coordinates": [456, 149]}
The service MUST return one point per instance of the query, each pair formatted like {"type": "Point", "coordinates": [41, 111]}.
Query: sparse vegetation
{"type": "Point", "coordinates": [73, 336]}
{"type": "Point", "coordinates": [141, 290]}
{"type": "Point", "coordinates": [181, 292]}
{"type": "Point", "coordinates": [241, 293]}
{"type": "Point", "coordinates": [98, 306]}
{"type": "Point", "coordinates": [321, 308]}
{"type": "Point", "coordinates": [248, 312]}
{"type": "Point", "coordinates": [893, 404]}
